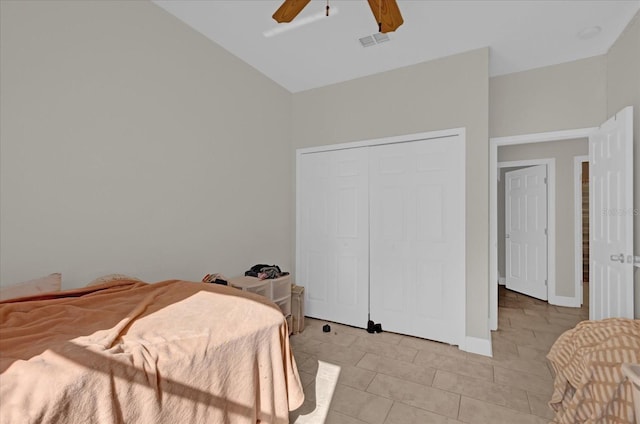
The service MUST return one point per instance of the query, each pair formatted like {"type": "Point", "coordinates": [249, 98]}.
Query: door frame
{"type": "Point", "coordinates": [577, 232]}
{"type": "Point", "coordinates": [494, 143]}
{"type": "Point", "coordinates": [550, 164]}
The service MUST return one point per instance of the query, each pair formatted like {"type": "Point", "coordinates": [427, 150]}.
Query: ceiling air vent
{"type": "Point", "coordinates": [374, 39]}
{"type": "Point", "coordinates": [380, 37]}
{"type": "Point", "coordinates": [367, 41]}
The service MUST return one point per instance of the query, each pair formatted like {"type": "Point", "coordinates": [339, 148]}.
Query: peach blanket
{"type": "Point", "coordinates": [131, 352]}
{"type": "Point", "coordinates": [589, 386]}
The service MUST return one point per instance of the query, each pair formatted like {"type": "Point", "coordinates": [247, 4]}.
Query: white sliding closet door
{"type": "Point", "coordinates": [417, 250]}
{"type": "Point", "coordinates": [333, 234]}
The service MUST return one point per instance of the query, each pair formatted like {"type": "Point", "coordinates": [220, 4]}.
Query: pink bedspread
{"type": "Point", "coordinates": [131, 352]}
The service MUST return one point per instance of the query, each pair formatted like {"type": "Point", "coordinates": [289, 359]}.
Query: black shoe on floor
{"type": "Point", "coordinates": [371, 328]}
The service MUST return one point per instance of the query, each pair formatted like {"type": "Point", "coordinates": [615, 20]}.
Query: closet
{"type": "Point", "coordinates": [381, 233]}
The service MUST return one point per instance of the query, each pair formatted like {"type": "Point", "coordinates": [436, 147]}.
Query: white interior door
{"type": "Point", "coordinates": [417, 231]}
{"type": "Point", "coordinates": [611, 218]}
{"type": "Point", "coordinates": [333, 239]}
{"type": "Point", "coordinates": [526, 231]}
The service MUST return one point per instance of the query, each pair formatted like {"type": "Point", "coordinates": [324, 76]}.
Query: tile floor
{"type": "Point", "coordinates": [353, 377]}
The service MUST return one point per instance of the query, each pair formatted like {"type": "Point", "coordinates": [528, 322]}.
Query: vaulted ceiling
{"type": "Point", "coordinates": [316, 50]}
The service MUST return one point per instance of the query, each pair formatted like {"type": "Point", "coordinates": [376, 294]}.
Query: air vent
{"type": "Point", "coordinates": [380, 37]}
{"type": "Point", "coordinates": [367, 41]}
{"type": "Point", "coordinates": [371, 40]}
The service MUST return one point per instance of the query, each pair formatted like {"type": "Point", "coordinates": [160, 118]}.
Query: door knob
{"type": "Point", "coordinates": [618, 258]}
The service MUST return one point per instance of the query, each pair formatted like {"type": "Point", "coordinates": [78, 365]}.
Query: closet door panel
{"type": "Point", "coordinates": [417, 238]}
{"type": "Point", "coordinates": [333, 239]}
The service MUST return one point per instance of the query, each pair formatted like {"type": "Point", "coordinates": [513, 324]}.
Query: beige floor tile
{"type": "Point", "coordinates": [538, 313]}
{"type": "Point", "coordinates": [570, 311]}
{"type": "Point", "coordinates": [431, 346]}
{"type": "Point", "coordinates": [521, 337]}
{"type": "Point", "coordinates": [405, 414]}
{"type": "Point", "coordinates": [310, 392]}
{"type": "Point", "coordinates": [306, 378]}
{"type": "Point", "coordinates": [529, 366]}
{"type": "Point", "coordinates": [547, 339]}
{"type": "Point", "coordinates": [355, 377]}
{"type": "Point", "coordinates": [337, 418]}
{"type": "Point", "coordinates": [520, 380]}
{"type": "Point", "coordinates": [336, 328]}
{"type": "Point", "coordinates": [540, 406]}
{"type": "Point", "coordinates": [386, 337]}
{"type": "Point", "coordinates": [455, 365]}
{"type": "Point", "coordinates": [400, 369]}
{"type": "Point", "coordinates": [336, 337]}
{"type": "Point", "coordinates": [301, 344]}
{"type": "Point", "coordinates": [502, 349]}
{"type": "Point", "coordinates": [350, 375]}
{"type": "Point", "coordinates": [309, 366]}
{"type": "Point", "coordinates": [503, 321]}
{"type": "Point", "coordinates": [366, 407]}
{"type": "Point", "coordinates": [395, 351]}
{"type": "Point", "coordinates": [333, 353]}
{"type": "Point", "coordinates": [320, 390]}
{"type": "Point", "coordinates": [509, 294]}
{"type": "Point", "coordinates": [309, 413]}
{"type": "Point", "coordinates": [489, 360]}
{"type": "Point", "coordinates": [566, 320]}
{"type": "Point", "coordinates": [476, 411]}
{"type": "Point", "coordinates": [538, 325]}
{"type": "Point", "coordinates": [533, 354]}
{"type": "Point", "coordinates": [300, 356]}
{"type": "Point", "coordinates": [428, 398]}
{"type": "Point", "coordinates": [510, 312]}
{"type": "Point", "coordinates": [482, 390]}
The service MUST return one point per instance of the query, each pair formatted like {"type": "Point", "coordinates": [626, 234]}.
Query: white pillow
{"type": "Point", "coordinates": [50, 283]}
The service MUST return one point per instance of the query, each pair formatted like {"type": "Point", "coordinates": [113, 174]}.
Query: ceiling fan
{"type": "Point", "coordinates": [386, 13]}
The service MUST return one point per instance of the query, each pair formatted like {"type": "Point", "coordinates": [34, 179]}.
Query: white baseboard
{"type": "Point", "coordinates": [478, 346]}
{"type": "Point", "coordinates": [567, 301]}
{"type": "Point", "coordinates": [502, 281]}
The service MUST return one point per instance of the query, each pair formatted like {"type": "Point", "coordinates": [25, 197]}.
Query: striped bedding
{"type": "Point", "coordinates": [589, 386]}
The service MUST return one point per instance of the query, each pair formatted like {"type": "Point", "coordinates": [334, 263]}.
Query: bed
{"type": "Point", "coordinates": [130, 352]}
{"type": "Point", "coordinates": [590, 385]}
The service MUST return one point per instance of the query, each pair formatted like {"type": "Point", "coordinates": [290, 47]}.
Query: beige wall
{"type": "Point", "coordinates": [446, 93]}
{"type": "Point", "coordinates": [563, 152]}
{"type": "Point", "coordinates": [560, 97]}
{"type": "Point", "coordinates": [130, 143]}
{"type": "Point", "coordinates": [623, 89]}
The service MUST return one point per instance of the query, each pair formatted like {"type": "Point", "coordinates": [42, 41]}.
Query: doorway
{"type": "Point", "coordinates": [582, 133]}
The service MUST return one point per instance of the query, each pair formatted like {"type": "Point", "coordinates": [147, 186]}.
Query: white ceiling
{"type": "Point", "coordinates": [521, 34]}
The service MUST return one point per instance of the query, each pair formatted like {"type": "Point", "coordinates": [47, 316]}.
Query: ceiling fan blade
{"type": "Point", "coordinates": [289, 10]}
{"type": "Point", "coordinates": [391, 18]}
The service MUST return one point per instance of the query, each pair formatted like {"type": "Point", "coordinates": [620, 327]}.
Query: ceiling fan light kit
{"type": "Point", "coordinates": [386, 13]}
